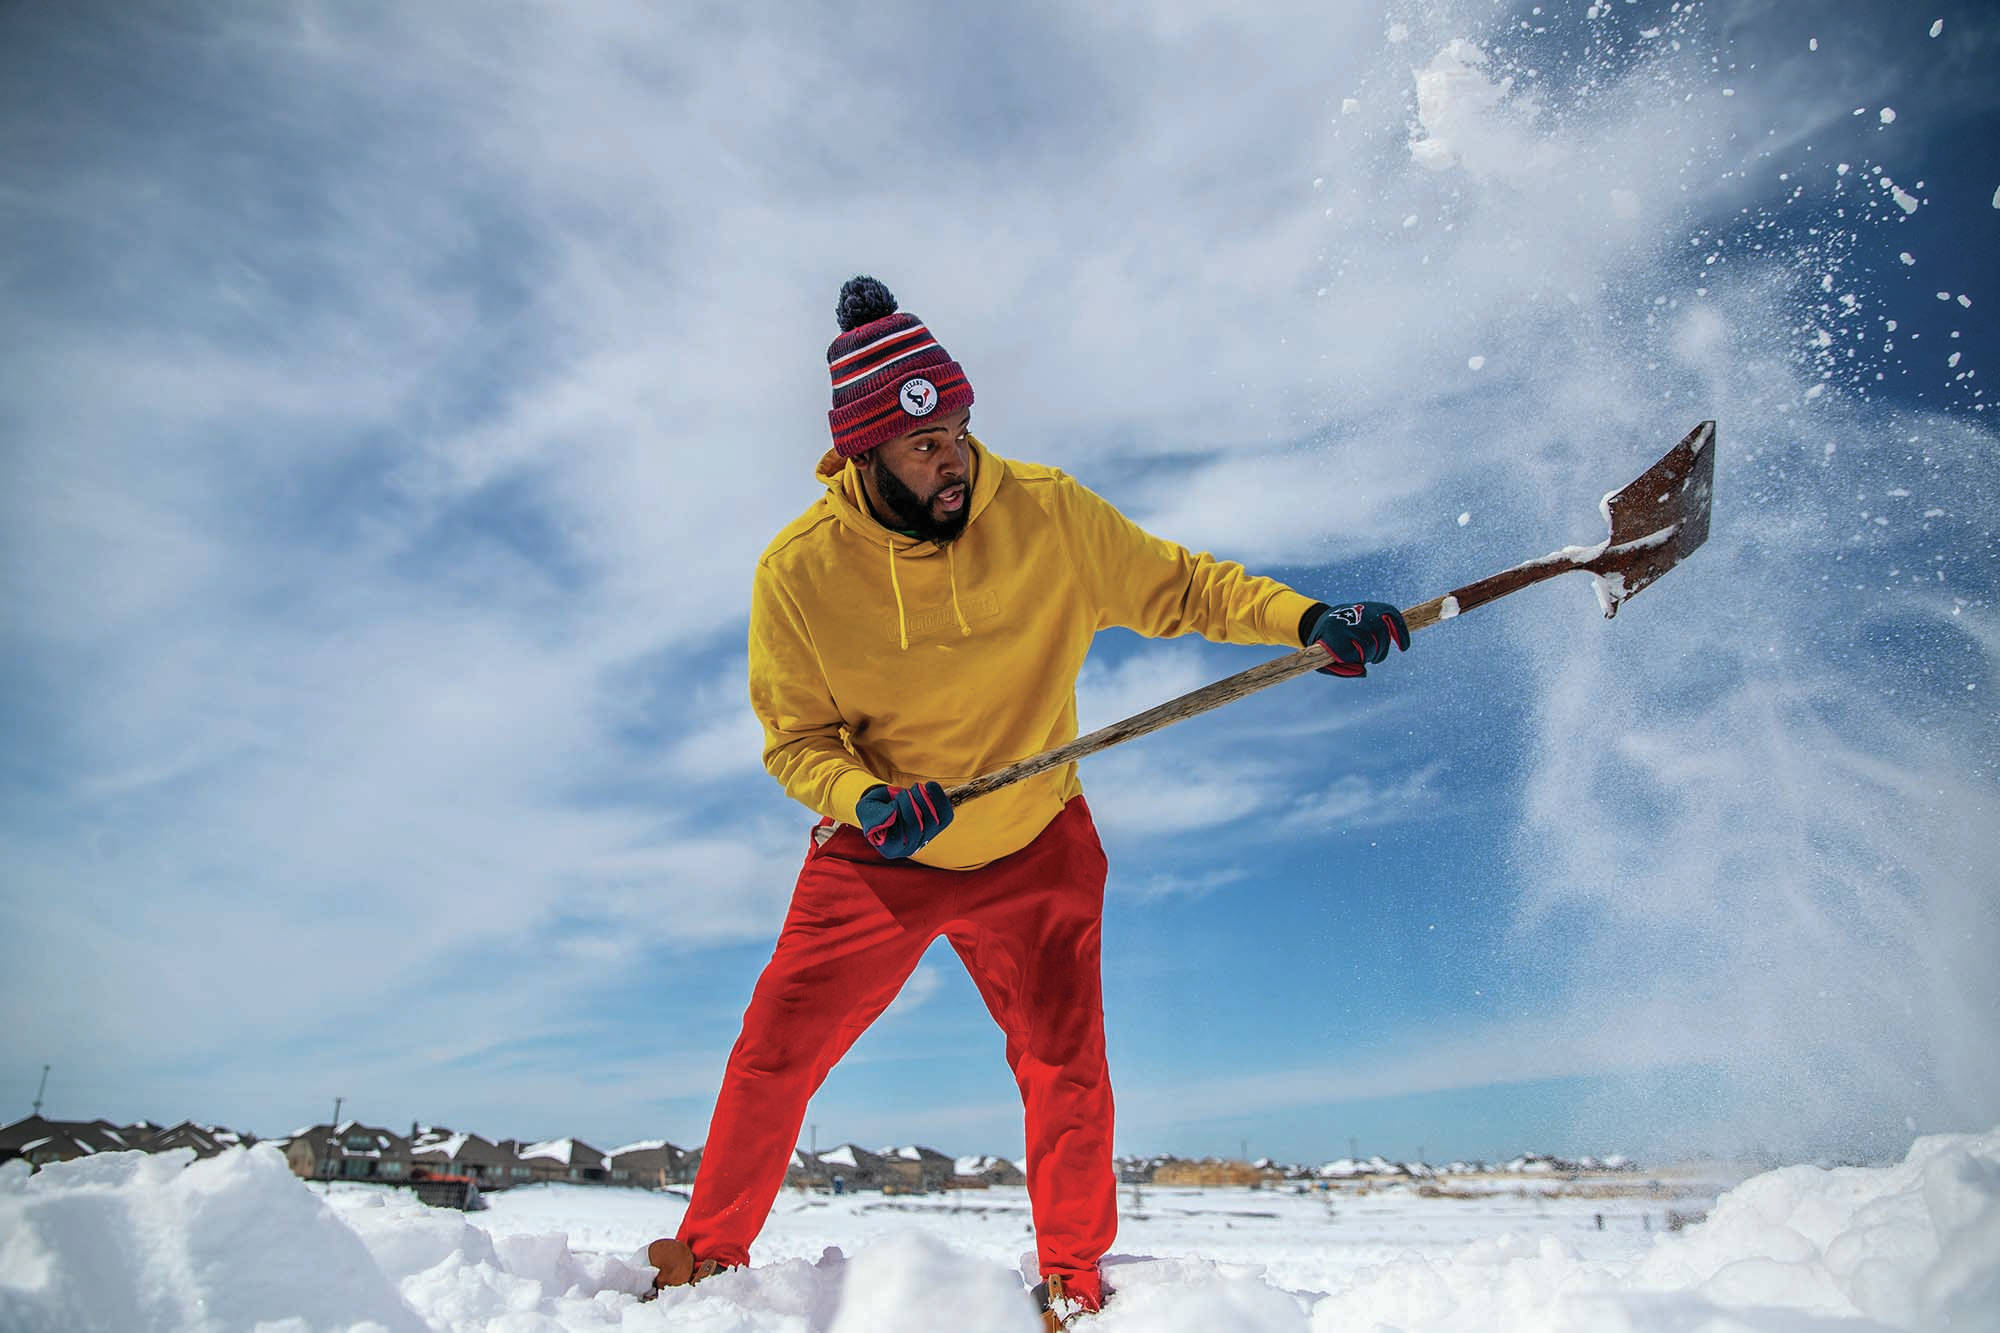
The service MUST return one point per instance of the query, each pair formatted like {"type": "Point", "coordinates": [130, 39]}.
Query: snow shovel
{"type": "Point", "coordinates": [1655, 522]}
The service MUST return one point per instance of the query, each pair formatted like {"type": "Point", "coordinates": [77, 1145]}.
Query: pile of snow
{"type": "Point", "coordinates": [1914, 1246]}
{"type": "Point", "coordinates": [134, 1242]}
{"type": "Point", "coordinates": [131, 1241]}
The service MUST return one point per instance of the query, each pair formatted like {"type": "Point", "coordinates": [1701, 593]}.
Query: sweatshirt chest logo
{"type": "Point", "coordinates": [941, 622]}
{"type": "Point", "coordinates": [919, 396]}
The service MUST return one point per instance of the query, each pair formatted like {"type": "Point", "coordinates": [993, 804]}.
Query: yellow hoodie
{"type": "Point", "coordinates": [876, 657]}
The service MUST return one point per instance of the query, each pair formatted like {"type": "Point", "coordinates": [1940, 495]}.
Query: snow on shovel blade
{"type": "Point", "coordinates": [1656, 520]}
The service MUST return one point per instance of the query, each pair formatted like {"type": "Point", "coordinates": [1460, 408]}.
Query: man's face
{"type": "Point", "coordinates": [921, 481]}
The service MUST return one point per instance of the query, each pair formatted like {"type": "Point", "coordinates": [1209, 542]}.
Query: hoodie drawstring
{"type": "Point", "coordinates": [951, 570]}
{"type": "Point", "coordinates": [902, 621]}
{"type": "Point", "coordinates": [902, 617]}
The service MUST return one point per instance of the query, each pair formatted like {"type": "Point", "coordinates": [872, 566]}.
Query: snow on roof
{"type": "Point", "coordinates": [909, 1154]}
{"type": "Point", "coordinates": [841, 1156]}
{"type": "Point", "coordinates": [448, 1146]}
{"type": "Point", "coordinates": [977, 1164]}
{"type": "Point", "coordinates": [558, 1149]}
{"type": "Point", "coordinates": [643, 1145]}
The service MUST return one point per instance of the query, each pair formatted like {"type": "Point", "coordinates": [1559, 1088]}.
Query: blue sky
{"type": "Point", "coordinates": [394, 400]}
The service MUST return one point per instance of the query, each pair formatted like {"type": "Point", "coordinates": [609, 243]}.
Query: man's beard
{"type": "Point", "coordinates": [912, 512]}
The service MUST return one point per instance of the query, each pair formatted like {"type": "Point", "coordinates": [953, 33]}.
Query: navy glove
{"type": "Point", "coordinates": [1358, 635]}
{"type": "Point", "coordinates": [898, 820]}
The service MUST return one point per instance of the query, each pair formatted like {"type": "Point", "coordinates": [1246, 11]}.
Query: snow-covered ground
{"type": "Point", "coordinates": [132, 1242]}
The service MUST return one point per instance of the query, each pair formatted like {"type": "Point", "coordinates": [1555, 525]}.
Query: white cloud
{"type": "Point", "coordinates": [1153, 888]}
{"type": "Point", "coordinates": [1146, 678]}
{"type": "Point", "coordinates": [729, 748]}
{"type": "Point", "coordinates": [1353, 801]}
{"type": "Point", "coordinates": [1138, 795]}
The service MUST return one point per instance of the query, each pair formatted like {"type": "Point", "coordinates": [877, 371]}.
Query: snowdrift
{"type": "Point", "coordinates": [133, 1242]}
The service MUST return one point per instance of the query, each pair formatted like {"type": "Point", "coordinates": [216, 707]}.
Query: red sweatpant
{"type": "Point", "coordinates": [1027, 928]}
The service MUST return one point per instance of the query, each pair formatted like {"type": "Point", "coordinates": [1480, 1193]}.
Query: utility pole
{"type": "Point", "coordinates": [1353, 1153]}
{"type": "Point", "coordinates": [814, 1131]}
{"type": "Point", "coordinates": [333, 1139]}
{"type": "Point", "coordinates": [42, 1089]}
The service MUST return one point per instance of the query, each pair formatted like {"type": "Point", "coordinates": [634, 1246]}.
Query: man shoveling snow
{"type": "Point", "coordinates": [922, 623]}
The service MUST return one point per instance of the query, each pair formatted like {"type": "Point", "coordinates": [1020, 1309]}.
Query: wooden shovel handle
{"type": "Point", "coordinates": [1231, 688]}
{"type": "Point", "coordinates": [1139, 724]}
{"type": "Point", "coordinates": [1495, 586]}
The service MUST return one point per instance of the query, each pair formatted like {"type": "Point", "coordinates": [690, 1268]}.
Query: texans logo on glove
{"type": "Point", "coordinates": [1357, 636]}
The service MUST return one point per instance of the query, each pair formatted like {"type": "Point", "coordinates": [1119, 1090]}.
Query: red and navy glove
{"type": "Point", "coordinates": [898, 820]}
{"type": "Point", "coordinates": [1357, 635]}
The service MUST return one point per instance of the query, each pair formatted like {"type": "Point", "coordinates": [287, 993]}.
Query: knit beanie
{"type": "Point", "coordinates": [888, 372]}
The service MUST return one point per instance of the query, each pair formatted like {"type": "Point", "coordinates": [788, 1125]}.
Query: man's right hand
{"type": "Point", "coordinates": [898, 820]}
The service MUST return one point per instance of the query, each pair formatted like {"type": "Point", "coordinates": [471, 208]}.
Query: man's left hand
{"type": "Point", "coordinates": [1357, 635]}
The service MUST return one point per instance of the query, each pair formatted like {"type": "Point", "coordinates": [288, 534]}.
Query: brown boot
{"type": "Point", "coordinates": [677, 1266]}
{"type": "Point", "coordinates": [1059, 1308]}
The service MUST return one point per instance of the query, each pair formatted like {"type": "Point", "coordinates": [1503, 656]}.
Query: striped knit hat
{"type": "Point", "coordinates": [888, 372]}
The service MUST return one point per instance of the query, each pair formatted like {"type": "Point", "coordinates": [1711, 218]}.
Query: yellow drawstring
{"type": "Point", "coordinates": [902, 618]}
{"type": "Point", "coordinates": [902, 622]}
{"type": "Point", "coordinates": [951, 569]}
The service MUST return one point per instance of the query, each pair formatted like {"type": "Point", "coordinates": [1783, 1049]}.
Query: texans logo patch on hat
{"type": "Point", "coordinates": [919, 397]}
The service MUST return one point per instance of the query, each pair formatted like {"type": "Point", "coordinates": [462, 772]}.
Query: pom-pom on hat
{"type": "Point", "coordinates": [888, 372]}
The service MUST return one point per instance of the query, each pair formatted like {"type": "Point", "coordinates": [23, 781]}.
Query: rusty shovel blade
{"type": "Point", "coordinates": [1656, 520]}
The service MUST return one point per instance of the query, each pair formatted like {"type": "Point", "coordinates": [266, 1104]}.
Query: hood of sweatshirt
{"type": "Point", "coordinates": [842, 479]}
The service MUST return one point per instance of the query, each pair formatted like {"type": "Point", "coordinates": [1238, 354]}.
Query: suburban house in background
{"type": "Point", "coordinates": [916, 1170]}
{"type": "Point", "coordinates": [348, 1151]}
{"type": "Point", "coordinates": [444, 1152]}
{"type": "Point", "coordinates": [653, 1164]}
{"type": "Point", "coordinates": [980, 1172]}
{"type": "Point", "coordinates": [848, 1167]}
{"type": "Point", "coordinates": [40, 1142]}
{"type": "Point", "coordinates": [564, 1161]}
